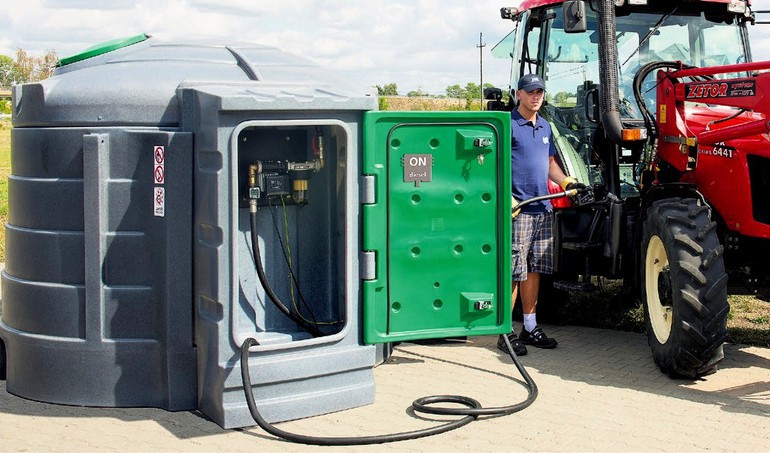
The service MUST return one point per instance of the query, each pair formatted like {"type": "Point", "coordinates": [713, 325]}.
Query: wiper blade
{"type": "Point", "coordinates": [649, 33]}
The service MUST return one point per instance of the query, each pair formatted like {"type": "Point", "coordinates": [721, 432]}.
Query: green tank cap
{"type": "Point", "coordinates": [102, 48]}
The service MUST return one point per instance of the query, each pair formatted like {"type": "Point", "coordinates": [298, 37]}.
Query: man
{"type": "Point", "coordinates": [532, 165]}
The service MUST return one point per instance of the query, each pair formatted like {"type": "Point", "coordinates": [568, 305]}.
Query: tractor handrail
{"type": "Point", "coordinates": [724, 69]}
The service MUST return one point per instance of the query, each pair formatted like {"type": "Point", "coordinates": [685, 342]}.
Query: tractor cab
{"type": "Point", "coordinates": [561, 41]}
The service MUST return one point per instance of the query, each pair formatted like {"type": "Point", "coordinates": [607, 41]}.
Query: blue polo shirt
{"type": "Point", "coordinates": [531, 147]}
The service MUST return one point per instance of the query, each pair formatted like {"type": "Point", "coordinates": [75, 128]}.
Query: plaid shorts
{"type": "Point", "coordinates": [532, 248]}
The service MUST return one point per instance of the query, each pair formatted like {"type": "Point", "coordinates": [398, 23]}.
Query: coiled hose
{"type": "Point", "coordinates": [470, 412]}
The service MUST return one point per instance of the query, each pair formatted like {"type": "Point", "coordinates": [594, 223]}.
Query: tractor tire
{"type": "Point", "coordinates": [684, 288]}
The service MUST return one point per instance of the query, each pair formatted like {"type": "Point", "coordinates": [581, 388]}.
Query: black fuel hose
{"type": "Point", "coordinates": [471, 411]}
{"type": "Point", "coordinates": [314, 330]}
{"type": "Point", "coordinates": [550, 196]}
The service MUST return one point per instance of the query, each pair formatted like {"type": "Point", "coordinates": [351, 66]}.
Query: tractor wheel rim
{"type": "Point", "coordinates": [659, 309]}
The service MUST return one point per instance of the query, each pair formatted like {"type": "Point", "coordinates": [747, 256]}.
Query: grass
{"type": "Point", "coordinates": [609, 307]}
{"type": "Point", "coordinates": [612, 306]}
{"type": "Point", "coordinates": [749, 320]}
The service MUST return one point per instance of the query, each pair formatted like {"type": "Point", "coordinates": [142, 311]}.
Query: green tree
{"type": "Point", "coordinates": [418, 93]}
{"type": "Point", "coordinates": [455, 91]}
{"type": "Point", "coordinates": [8, 75]}
{"type": "Point", "coordinates": [472, 91]}
{"type": "Point", "coordinates": [561, 98]}
{"type": "Point", "coordinates": [389, 89]}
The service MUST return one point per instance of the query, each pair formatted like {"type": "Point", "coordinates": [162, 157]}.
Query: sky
{"type": "Point", "coordinates": [424, 45]}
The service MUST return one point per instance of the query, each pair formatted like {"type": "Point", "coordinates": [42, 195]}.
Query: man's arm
{"type": "Point", "coordinates": [558, 176]}
{"type": "Point", "coordinates": [554, 172]}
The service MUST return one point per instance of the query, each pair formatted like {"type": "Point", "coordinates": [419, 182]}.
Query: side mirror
{"type": "Point", "coordinates": [494, 98]}
{"type": "Point", "coordinates": [575, 16]}
{"type": "Point", "coordinates": [591, 105]}
{"type": "Point", "coordinates": [493, 94]}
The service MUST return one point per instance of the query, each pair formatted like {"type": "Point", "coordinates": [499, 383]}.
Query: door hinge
{"type": "Point", "coordinates": [367, 264]}
{"type": "Point", "coordinates": [366, 189]}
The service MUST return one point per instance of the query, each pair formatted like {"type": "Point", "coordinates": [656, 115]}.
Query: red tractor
{"type": "Point", "coordinates": [657, 106]}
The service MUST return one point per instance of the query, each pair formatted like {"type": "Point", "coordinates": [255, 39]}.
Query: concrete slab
{"type": "Point", "coordinates": [598, 391]}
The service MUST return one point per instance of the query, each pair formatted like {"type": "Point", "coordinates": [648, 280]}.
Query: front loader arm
{"type": "Point", "coordinates": [678, 139]}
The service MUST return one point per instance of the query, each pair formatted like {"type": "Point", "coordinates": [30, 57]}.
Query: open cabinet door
{"type": "Point", "coordinates": [436, 225]}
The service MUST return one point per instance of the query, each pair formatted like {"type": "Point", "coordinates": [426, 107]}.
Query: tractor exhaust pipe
{"type": "Point", "coordinates": [608, 72]}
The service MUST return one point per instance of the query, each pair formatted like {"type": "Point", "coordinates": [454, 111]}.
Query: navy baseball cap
{"type": "Point", "coordinates": [531, 82]}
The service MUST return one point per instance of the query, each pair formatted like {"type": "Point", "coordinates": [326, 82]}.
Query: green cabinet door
{"type": "Point", "coordinates": [436, 225]}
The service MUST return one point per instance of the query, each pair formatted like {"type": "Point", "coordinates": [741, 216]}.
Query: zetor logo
{"type": "Point", "coordinates": [707, 90]}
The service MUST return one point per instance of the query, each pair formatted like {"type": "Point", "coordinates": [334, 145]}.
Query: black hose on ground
{"type": "Point", "coordinates": [471, 411]}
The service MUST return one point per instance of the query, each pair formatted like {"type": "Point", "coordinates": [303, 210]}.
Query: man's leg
{"type": "Point", "coordinates": [529, 290]}
{"type": "Point", "coordinates": [518, 347]}
{"type": "Point", "coordinates": [531, 334]}
{"type": "Point", "coordinates": [514, 292]}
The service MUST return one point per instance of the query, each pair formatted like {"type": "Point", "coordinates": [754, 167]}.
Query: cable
{"type": "Point", "coordinates": [314, 330]}
{"type": "Point", "coordinates": [287, 254]}
{"type": "Point", "coordinates": [472, 410]}
{"type": "Point", "coordinates": [286, 250]}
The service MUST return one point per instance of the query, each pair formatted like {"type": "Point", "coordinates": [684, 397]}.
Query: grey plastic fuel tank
{"type": "Point", "coordinates": [130, 278]}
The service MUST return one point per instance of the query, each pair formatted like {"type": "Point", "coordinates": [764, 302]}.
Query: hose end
{"type": "Point", "coordinates": [249, 342]}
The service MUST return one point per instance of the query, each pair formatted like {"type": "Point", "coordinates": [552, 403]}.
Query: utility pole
{"type": "Point", "coordinates": [481, 72]}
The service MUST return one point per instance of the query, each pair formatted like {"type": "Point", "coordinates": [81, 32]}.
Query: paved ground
{"type": "Point", "coordinates": [598, 391]}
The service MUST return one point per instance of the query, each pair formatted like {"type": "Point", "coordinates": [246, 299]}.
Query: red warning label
{"type": "Point", "coordinates": [159, 165]}
{"type": "Point", "coordinates": [160, 174]}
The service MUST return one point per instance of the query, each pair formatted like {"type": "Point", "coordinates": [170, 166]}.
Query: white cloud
{"type": "Point", "coordinates": [421, 43]}
{"type": "Point", "coordinates": [426, 44]}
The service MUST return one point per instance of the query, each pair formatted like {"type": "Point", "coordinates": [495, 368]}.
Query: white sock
{"type": "Point", "coordinates": [530, 321]}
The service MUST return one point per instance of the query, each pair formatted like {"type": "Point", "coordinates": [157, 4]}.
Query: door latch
{"type": "Point", "coordinates": [482, 142]}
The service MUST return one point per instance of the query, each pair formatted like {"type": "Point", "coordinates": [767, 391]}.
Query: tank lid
{"type": "Point", "coordinates": [102, 48]}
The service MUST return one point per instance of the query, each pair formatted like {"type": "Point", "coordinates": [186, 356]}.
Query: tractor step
{"type": "Point", "coordinates": [574, 286]}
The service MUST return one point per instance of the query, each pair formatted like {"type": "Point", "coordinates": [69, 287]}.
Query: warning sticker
{"type": "Point", "coordinates": [159, 165]}
{"type": "Point", "coordinates": [159, 202]}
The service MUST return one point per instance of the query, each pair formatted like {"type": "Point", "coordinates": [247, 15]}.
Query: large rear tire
{"type": "Point", "coordinates": [684, 288]}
